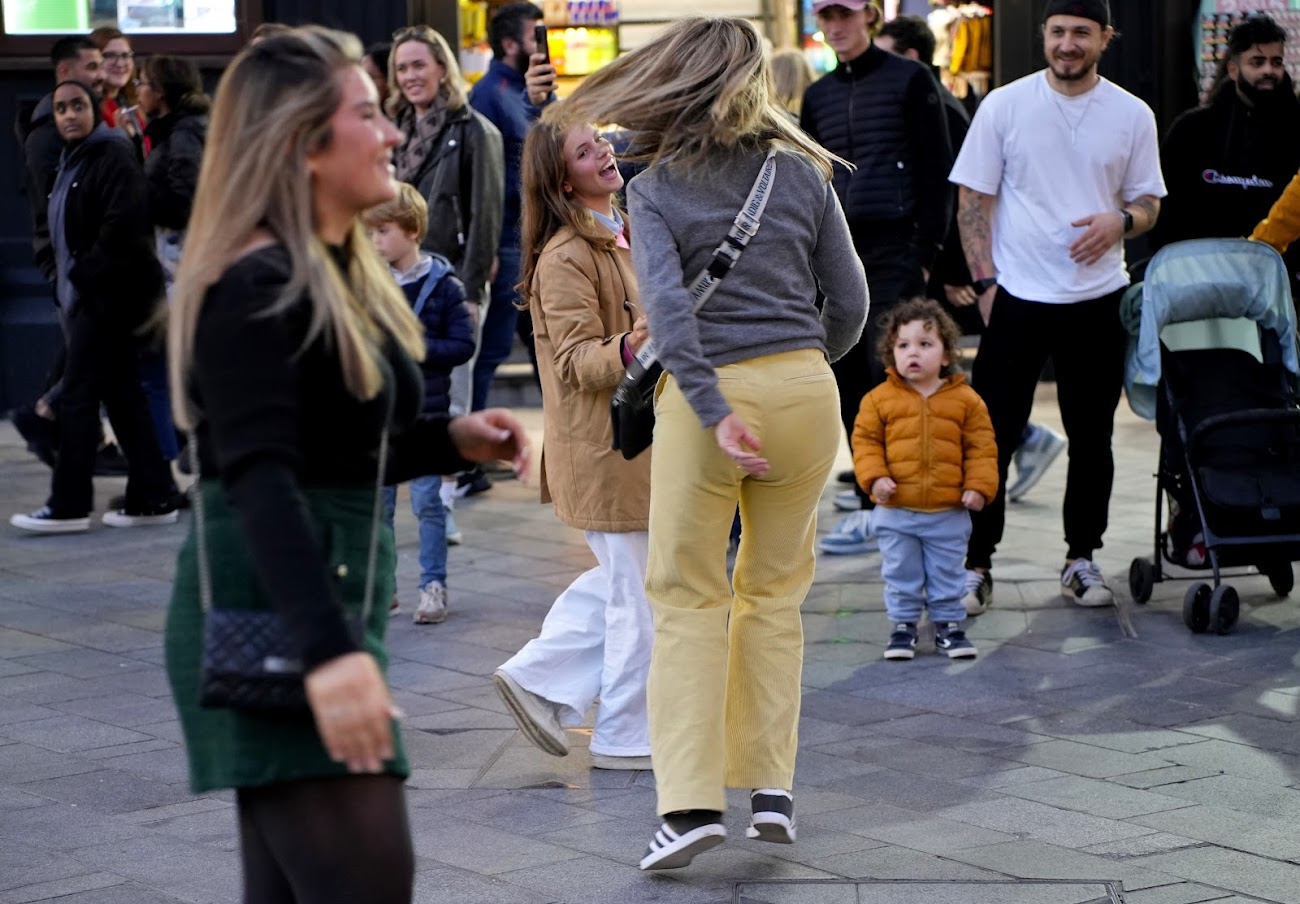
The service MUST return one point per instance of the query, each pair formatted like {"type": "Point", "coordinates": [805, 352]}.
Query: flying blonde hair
{"type": "Point", "coordinates": [791, 76]}
{"type": "Point", "coordinates": [702, 87]}
{"type": "Point", "coordinates": [273, 109]}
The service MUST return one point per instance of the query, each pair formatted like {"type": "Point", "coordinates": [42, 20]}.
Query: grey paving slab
{"type": "Point", "coordinates": [1162, 777]}
{"type": "Point", "coordinates": [1178, 893]}
{"type": "Point", "coordinates": [905, 828]}
{"type": "Point", "coordinates": [66, 828]}
{"type": "Point", "coordinates": [189, 871]}
{"type": "Point", "coordinates": [23, 864]}
{"type": "Point", "coordinates": [518, 812]}
{"type": "Point", "coordinates": [1240, 872]}
{"type": "Point", "coordinates": [963, 734]}
{"type": "Point", "coordinates": [24, 763]}
{"type": "Point", "coordinates": [61, 889]}
{"type": "Point", "coordinates": [890, 862]}
{"type": "Point", "coordinates": [1266, 734]}
{"type": "Point", "coordinates": [80, 662]}
{"type": "Point", "coordinates": [1095, 797]}
{"type": "Point", "coordinates": [128, 893]}
{"type": "Point", "coordinates": [108, 791]}
{"type": "Point", "coordinates": [1036, 860]}
{"type": "Point", "coordinates": [443, 884]}
{"type": "Point", "coordinates": [1085, 759]}
{"type": "Point", "coordinates": [1157, 843]}
{"type": "Point", "coordinates": [1242, 794]}
{"type": "Point", "coordinates": [1030, 819]}
{"type": "Point", "coordinates": [1240, 759]}
{"type": "Point", "coordinates": [1249, 832]}
{"type": "Point", "coordinates": [125, 710]}
{"type": "Point", "coordinates": [69, 734]}
{"type": "Point", "coordinates": [489, 851]}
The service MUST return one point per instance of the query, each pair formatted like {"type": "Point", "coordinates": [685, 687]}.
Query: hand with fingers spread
{"type": "Point", "coordinates": [353, 711]}
{"type": "Point", "coordinates": [1103, 232]}
{"type": "Point", "coordinates": [741, 445]}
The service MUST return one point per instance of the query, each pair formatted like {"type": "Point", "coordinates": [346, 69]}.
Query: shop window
{"type": "Point", "coordinates": [35, 17]}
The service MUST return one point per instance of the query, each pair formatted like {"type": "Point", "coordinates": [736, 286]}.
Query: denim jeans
{"type": "Point", "coordinates": [153, 380]}
{"type": "Point", "coordinates": [921, 562]}
{"type": "Point", "coordinates": [499, 321]}
{"type": "Point", "coordinates": [426, 504]}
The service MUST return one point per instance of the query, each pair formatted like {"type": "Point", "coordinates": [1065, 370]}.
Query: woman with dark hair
{"type": "Point", "coordinates": [375, 62]}
{"type": "Point", "coordinates": [108, 281]}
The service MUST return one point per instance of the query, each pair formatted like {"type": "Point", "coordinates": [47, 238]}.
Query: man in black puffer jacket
{"type": "Point", "coordinates": [885, 115]}
{"type": "Point", "coordinates": [1227, 163]}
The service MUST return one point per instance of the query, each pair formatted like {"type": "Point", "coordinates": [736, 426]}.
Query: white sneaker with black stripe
{"type": "Point", "coordinates": [670, 849]}
{"type": "Point", "coordinates": [1083, 584]}
{"type": "Point", "coordinates": [773, 816]}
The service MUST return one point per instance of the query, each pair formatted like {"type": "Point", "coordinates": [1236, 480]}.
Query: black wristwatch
{"type": "Point", "coordinates": [1128, 220]}
{"type": "Point", "coordinates": [983, 285]}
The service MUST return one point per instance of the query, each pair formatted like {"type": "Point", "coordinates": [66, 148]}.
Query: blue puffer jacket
{"type": "Point", "coordinates": [438, 300]}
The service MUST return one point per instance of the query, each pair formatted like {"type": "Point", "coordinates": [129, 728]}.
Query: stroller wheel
{"type": "Point", "coordinates": [1196, 608]}
{"type": "Point", "coordinates": [1224, 609]}
{"type": "Point", "coordinates": [1281, 577]}
{"type": "Point", "coordinates": [1141, 580]}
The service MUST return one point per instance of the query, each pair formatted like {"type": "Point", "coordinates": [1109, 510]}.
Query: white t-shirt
{"type": "Point", "coordinates": [1051, 160]}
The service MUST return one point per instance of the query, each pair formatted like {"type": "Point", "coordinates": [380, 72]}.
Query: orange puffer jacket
{"type": "Point", "coordinates": [934, 448]}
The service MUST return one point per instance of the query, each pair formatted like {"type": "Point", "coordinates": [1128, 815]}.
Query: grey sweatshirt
{"type": "Point", "coordinates": [766, 305]}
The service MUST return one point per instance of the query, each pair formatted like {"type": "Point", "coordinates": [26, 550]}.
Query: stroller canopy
{"type": "Point", "coordinates": [1204, 280]}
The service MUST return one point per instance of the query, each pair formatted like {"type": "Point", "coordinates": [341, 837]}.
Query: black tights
{"type": "Point", "coordinates": [327, 841]}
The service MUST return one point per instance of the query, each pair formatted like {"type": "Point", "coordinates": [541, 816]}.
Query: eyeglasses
{"type": "Point", "coordinates": [115, 57]}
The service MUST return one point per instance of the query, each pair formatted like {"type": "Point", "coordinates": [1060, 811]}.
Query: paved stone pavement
{"type": "Point", "coordinates": [1167, 762]}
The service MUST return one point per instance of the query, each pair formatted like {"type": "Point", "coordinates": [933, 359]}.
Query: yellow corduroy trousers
{"type": "Point", "coordinates": [724, 687]}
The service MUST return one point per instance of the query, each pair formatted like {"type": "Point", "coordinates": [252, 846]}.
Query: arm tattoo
{"type": "Point", "coordinates": [975, 224]}
{"type": "Point", "coordinates": [1146, 210]}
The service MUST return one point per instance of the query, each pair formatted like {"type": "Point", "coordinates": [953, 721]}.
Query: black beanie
{"type": "Point", "coordinates": [1096, 10]}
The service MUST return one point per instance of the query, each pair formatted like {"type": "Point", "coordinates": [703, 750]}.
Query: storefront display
{"type": "Point", "coordinates": [34, 17]}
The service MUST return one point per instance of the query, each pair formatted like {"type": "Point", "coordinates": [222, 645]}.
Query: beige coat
{"type": "Point", "coordinates": [579, 320]}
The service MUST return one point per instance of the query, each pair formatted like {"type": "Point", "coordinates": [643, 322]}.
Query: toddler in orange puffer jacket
{"type": "Point", "coordinates": [923, 447]}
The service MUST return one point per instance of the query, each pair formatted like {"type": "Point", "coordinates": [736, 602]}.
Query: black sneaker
{"type": "Point", "coordinates": [110, 462]}
{"type": "Point", "coordinates": [180, 499]}
{"type": "Point", "coordinates": [949, 638]}
{"type": "Point", "coordinates": [773, 816]}
{"type": "Point", "coordinates": [846, 477]}
{"type": "Point", "coordinates": [979, 592]}
{"type": "Point", "coordinates": [144, 516]}
{"type": "Point", "coordinates": [902, 643]}
{"type": "Point", "coordinates": [472, 482]}
{"type": "Point", "coordinates": [683, 836]}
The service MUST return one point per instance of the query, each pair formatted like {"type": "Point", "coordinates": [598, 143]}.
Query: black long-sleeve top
{"type": "Point", "coordinates": [278, 418]}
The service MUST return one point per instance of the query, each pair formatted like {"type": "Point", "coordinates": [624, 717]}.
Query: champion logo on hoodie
{"type": "Point", "coordinates": [1214, 177]}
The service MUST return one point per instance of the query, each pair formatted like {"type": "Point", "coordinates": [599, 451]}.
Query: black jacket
{"type": "Point", "coordinates": [106, 222]}
{"type": "Point", "coordinates": [951, 268]}
{"type": "Point", "coordinates": [1226, 164]}
{"type": "Point", "coordinates": [439, 301]}
{"type": "Point", "coordinates": [463, 180]}
{"type": "Point", "coordinates": [41, 149]}
{"type": "Point", "coordinates": [172, 167]}
{"type": "Point", "coordinates": [884, 114]}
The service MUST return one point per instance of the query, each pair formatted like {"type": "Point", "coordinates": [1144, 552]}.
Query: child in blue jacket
{"type": "Point", "coordinates": [438, 298]}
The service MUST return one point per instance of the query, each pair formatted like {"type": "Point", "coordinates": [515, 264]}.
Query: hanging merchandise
{"type": "Point", "coordinates": [966, 63]}
{"type": "Point", "coordinates": [1219, 17]}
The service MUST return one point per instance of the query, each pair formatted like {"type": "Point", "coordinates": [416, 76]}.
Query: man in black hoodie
{"type": "Point", "coordinates": [884, 114]}
{"type": "Point", "coordinates": [1227, 163]}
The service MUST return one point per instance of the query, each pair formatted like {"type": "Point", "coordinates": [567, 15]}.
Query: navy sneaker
{"type": "Point", "coordinates": [951, 640]}
{"type": "Point", "coordinates": [902, 643]}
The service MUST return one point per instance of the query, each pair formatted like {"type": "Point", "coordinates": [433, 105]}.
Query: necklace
{"type": "Point", "coordinates": [1074, 126]}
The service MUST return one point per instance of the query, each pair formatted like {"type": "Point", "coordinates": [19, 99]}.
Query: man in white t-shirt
{"type": "Point", "coordinates": [1058, 169]}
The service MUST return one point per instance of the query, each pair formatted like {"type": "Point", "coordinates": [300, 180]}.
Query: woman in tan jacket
{"type": "Point", "coordinates": [579, 285]}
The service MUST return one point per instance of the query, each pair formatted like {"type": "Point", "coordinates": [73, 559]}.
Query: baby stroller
{"type": "Point", "coordinates": [1214, 362]}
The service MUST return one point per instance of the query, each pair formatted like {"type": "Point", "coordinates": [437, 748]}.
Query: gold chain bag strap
{"type": "Point", "coordinates": [250, 658]}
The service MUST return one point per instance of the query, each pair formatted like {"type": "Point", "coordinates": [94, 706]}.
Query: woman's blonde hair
{"type": "Point", "coordinates": [546, 207]}
{"type": "Point", "coordinates": [791, 76]}
{"type": "Point", "coordinates": [453, 89]}
{"type": "Point", "coordinates": [701, 87]}
{"type": "Point", "coordinates": [274, 106]}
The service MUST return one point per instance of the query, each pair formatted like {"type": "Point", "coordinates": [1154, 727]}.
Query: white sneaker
{"type": "Point", "coordinates": [852, 536]}
{"type": "Point", "coordinates": [433, 604]}
{"type": "Point", "coordinates": [1033, 459]}
{"type": "Point", "coordinates": [848, 501]}
{"type": "Point", "coordinates": [979, 592]}
{"type": "Point", "coordinates": [1082, 583]}
{"type": "Point", "coordinates": [43, 521]}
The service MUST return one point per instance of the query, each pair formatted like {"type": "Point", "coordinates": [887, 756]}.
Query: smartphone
{"type": "Point", "coordinates": [542, 46]}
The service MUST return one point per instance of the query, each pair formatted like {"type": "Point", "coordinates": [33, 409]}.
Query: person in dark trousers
{"type": "Point", "coordinates": [885, 115]}
{"type": "Point", "coordinates": [951, 282]}
{"type": "Point", "coordinates": [1228, 162]}
{"type": "Point", "coordinates": [1058, 169]}
{"type": "Point", "coordinates": [504, 95]}
{"type": "Point", "coordinates": [107, 282]}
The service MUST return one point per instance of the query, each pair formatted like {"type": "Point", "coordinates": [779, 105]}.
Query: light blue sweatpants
{"type": "Point", "coordinates": [921, 560]}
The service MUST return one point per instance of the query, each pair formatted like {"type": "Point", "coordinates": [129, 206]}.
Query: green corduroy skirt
{"type": "Point", "coordinates": [230, 749]}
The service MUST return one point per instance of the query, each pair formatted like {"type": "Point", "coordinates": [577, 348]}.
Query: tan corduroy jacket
{"type": "Point", "coordinates": [583, 301]}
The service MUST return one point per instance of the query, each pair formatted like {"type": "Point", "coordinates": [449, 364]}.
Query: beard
{"type": "Point", "coordinates": [1074, 69]}
{"type": "Point", "coordinates": [1265, 97]}
{"type": "Point", "coordinates": [521, 60]}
